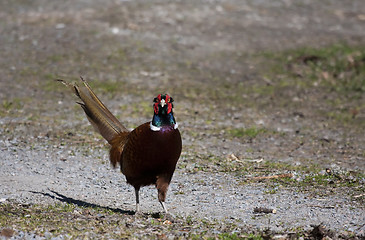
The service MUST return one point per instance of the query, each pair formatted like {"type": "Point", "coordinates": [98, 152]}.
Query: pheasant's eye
{"type": "Point", "coordinates": [157, 99]}
{"type": "Point", "coordinates": [169, 99]}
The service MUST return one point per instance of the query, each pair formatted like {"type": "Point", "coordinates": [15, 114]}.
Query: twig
{"type": "Point", "coordinates": [360, 195]}
{"type": "Point", "coordinates": [263, 210]}
{"type": "Point", "coordinates": [255, 160]}
{"type": "Point", "coordinates": [232, 157]}
{"type": "Point", "coordinates": [285, 175]}
{"type": "Point", "coordinates": [318, 206]}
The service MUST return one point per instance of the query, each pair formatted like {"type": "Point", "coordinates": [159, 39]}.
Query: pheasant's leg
{"type": "Point", "coordinates": [163, 206]}
{"type": "Point", "coordinates": [162, 184]}
{"type": "Point", "coordinates": [136, 190]}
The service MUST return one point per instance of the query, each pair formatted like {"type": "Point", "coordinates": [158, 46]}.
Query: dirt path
{"type": "Point", "coordinates": [35, 177]}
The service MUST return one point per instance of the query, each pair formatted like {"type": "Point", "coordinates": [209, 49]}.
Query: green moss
{"type": "Point", "coordinates": [271, 191]}
{"type": "Point", "coordinates": [235, 236]}
{"type": "Point", "coordinates": [11, 106]}
{"type": "Point", "coordinates": [228, 236]}
{"type": "Point", "coordinates": [50, 84]}
{"type": "Point", "coordinates": [107, 87]}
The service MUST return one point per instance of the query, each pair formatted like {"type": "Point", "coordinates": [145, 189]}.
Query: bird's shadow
{"type": "Point", "coordinates": [80, 203]}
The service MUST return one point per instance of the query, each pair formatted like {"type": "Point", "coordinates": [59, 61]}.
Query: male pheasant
{"type": "Point", "coordinates": [148, 154]}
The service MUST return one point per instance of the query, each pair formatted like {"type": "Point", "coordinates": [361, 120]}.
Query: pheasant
{"type": "Point", "coordinates": [147, 155]}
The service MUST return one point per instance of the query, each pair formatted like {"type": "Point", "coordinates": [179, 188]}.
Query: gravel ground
{"type": "Point", "coordinates": [49, 175]}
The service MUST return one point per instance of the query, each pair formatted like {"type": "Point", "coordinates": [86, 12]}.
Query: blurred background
{"type": "Point", "coordinates": [278, 80]}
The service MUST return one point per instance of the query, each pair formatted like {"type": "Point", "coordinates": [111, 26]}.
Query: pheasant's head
{"type": "Point", "coordinates": [163, 114]}
{"type": "Point", "coordinates": [163, 104]}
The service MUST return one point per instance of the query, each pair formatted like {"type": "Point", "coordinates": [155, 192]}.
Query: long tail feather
{"type": "Point", "coordinates": [106, 110]}
{"type": "Point", "coordinates": [97, 113]}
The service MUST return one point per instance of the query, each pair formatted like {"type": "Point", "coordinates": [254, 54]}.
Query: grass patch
{"type": "Point", "coordinates": [78, 222]}
{"type": "Point", "coordinates": [65, 219]}
{"type": "Point", "coordinates": [10, 105]}
{"type": "Point", "coordinates": [339, 68]}
{"type": "Point", "coordinates": [235, 236]}
{"type": "Point", "coordinates": [251, 132]}
{"type": "Point", "coordinates": [305, 177]}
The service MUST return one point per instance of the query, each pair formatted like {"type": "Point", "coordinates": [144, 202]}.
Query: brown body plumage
{"type": "Point", "coordinates": [148, 154]}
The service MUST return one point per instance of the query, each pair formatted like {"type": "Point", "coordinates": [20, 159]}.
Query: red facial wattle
{"type": "Point", "coordinates": [167, 101]}
{"type": "Point", "coordinates": [157, 102]}
{"type": "Point", "coordinates": [155, 107]}
{"type": "Point", "coordinates": [169, 105]}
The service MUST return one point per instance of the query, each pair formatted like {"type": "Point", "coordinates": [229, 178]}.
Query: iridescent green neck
{"type": "Point", "coordinates": [160, 120]}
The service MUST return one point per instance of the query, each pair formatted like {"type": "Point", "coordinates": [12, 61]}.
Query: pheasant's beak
{"type": "Point", "coordinates": [163, 103]}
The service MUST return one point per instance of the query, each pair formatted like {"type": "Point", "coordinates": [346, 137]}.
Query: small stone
{"type": "Point", "coordinates": [280, 237]}
{"type": "Point", "coordinates": [115, 30]}
{"type": "Point", "coordinates": [7, 232]}
{"type": "Point", "coordinates": [48, 235]}
{"type": "Point", "coordinates": [60, 25]}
